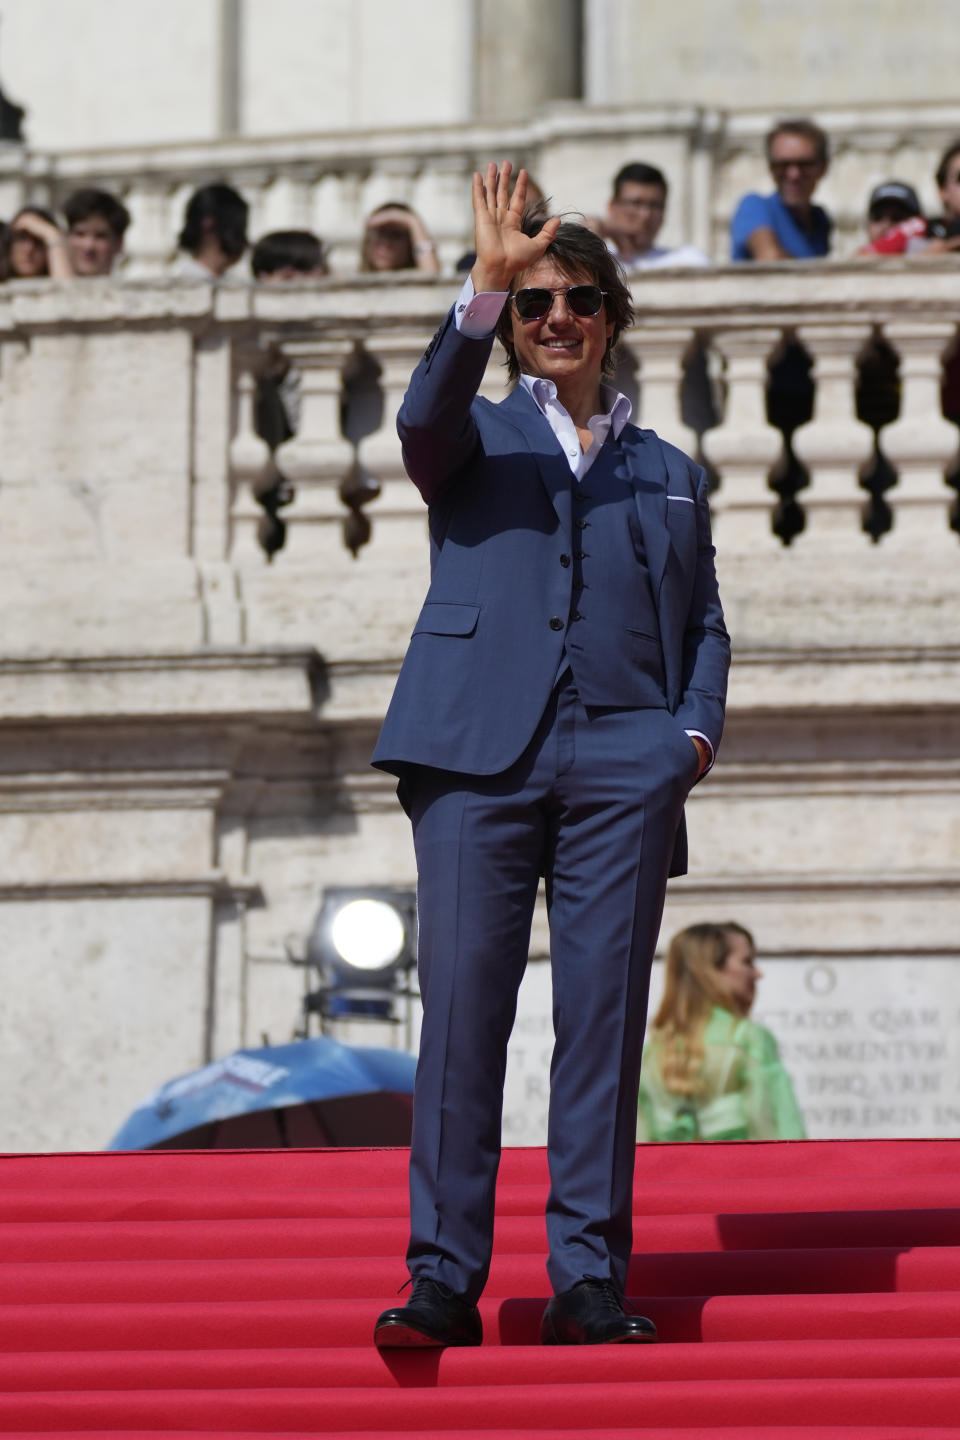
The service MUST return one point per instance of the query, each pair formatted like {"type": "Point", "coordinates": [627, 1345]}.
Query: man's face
{"type": "Point", "coordinates": [796, 168]}
{"type": "Point", "coordinates": [92, 246]}
{"type": "Point", "coordinates": [561, 346]}
{"type": "Point", "coordinates": [950, 189]}
{"type": "Point", "coordinates": [636, 213]}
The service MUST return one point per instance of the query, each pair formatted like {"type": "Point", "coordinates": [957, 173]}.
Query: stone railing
{"type": "Point", "coordinates": [131, 446]}
{"type": "Point", "coordinates": [329, 182]}
{"type": "Point", "coordinates": [872, 455]}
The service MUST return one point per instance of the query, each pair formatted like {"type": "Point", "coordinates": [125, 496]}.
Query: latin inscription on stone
{"type": "Point", "coordinates": [872, 1045]}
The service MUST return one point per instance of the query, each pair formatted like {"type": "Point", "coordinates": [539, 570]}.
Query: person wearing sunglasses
{"type": "Point", "coordinates": [786, 225]}
{"type": "Point", "coordinates": [562, 691]}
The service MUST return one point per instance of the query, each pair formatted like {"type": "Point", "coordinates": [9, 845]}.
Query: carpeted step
{"type": "Point", "coordinates": [303, 1367]}
{"type": "Point", "coordinates": [508, 1432]}
{"type": "Point", "coordinates": [653, 1199]}
{"type": "Point", "coordinates": [736, 1272]}
{"type": "Point", "coordinates": [336, 1236]}
{"type": "Point", "coordinates": [234, 1293]}
{"type": "Point", "coordinates": [349, 1322]}
{"type": "Point", "coordinates": [563, 1407]}
{"type": "Point", "coordinates": [730, 1163]}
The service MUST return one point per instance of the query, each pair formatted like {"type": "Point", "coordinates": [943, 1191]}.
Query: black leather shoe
{"type": "Point", "coordinates": [433, 1315]}
{"type": "Point", "coordinates": [593, 1313]}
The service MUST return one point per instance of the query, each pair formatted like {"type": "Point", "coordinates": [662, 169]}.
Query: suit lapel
{"type": "Point", "coordinates": [648, 476]}
{"type": "Point", "coordinates": [522, 412]}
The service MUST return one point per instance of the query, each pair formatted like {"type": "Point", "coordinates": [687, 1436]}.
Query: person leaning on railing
{"type": "Point", "coordinates": [34, 246]}
{"type": "Point", "coordinates": [709, 1072]}
{"type": "Point", "coordinates": [395, 238]}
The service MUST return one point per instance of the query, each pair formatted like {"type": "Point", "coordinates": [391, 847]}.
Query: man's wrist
{"type": "Point", "coordinates": [490, 280]}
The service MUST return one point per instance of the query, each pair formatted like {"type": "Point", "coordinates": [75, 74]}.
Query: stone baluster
{"type": "Point", "coordinates": [176, 199]}
{"type": "Point", "coordinates": [660, 355]}
{"type": "Point", "coordinates": [338, 219]}
{"type": "Point", "coordinates": [152, 239]}
{"type": "Point", "coordinates": [442, 197]}
{"type": "Point", "coordinates": [249, 455]}
{"type": "Point", "coordinates": [397, 356]}
{"type": "Point", "coordinates": [251, 464]}
{"type": "Point", "coordinates": [318, 450]}
{"type": "Point", "coordinates": [256, 186]}
{"type": "Point", "coordinates": [834, 445]}
{"type": "Point", "coordinates": [921, 444]}
{"type": "Point", "coordinates": [392, 181]}
{"type": "Point", "coordinates": [287, 204]}
{"type": "Point", "coordinates": [744, 447]}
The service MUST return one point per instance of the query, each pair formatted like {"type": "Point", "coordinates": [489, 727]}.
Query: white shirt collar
{"type": "Point", "coordinates": [617, 407]}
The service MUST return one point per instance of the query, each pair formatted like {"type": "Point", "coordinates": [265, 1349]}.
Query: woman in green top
{"type": "Point", "coordinates": [709, 1072]}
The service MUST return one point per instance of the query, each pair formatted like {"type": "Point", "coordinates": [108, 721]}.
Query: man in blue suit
{"type": "Point", "coordinates": [563, 689]}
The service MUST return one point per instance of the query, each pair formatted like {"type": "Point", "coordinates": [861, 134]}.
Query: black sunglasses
{"type": "Point", "coordinates": [780, 167]}
{"type": "Point", "coordinates": [582, 300]}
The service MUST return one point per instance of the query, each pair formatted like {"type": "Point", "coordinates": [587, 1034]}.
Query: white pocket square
{"type": "Point", "coordinates": [684, 499]}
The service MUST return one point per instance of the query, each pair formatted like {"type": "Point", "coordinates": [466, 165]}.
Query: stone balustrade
{"type": "Point", "coordinates": [329, 182]}
{"type": "Point", "coordinates": [733, 323]}
{"type": "Point", "coordinates": [129, 422]}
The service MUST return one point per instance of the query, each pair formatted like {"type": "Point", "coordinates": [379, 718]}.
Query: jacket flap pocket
{"type": "Point", "coordinates": [444, 619]}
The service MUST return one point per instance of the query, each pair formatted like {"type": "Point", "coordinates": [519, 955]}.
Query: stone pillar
{"type": "Point", "coordinates": [397, 356]}
{"type": "Point", "coordinates": [660, 355]}
{"type": "Point", "coordinates": [744, 447]}
{"type": "Point", "coordinates": [834, 445]}
{"type": "Point", "coordinates": [921, 444]}
{"type": "Point", "coordinates": [529, 52]}
{"type": "Point", "coordinates": [318, 450]}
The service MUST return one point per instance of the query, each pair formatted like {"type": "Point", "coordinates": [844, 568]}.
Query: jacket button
{"type": "Point", "coordinates": [564, 561]}
{"type": "Point", "coordinates": [581, 524]}
{"type": "Point", "coordinates": [556, 623]}
{"type": "Point", "coordinates": [576, 615]}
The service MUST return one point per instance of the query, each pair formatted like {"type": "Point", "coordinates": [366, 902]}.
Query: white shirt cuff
{"type": "Point", "coordinates": [476, 316]}
{"type": "Point", "coordinates": [700, 736]}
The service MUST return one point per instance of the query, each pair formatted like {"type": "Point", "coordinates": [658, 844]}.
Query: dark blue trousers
{"type": "Point", "coordinates": [593, 804]}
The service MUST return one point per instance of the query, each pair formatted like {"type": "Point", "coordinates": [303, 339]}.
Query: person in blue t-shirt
{"type": "Point", "coordinates": [786, 225]}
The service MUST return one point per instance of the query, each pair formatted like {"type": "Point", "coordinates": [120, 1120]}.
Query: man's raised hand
{"type": "Point", "coordinates": [502, 248]}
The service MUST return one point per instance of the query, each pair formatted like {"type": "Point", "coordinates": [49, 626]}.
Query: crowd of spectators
{"type": "Point", "coordinates": [89, 241]}
{"type": "Point", "coordinates": [786, 223]}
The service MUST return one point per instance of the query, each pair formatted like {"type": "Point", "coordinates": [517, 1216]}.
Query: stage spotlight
{"type": "Point", "coordinates": [363, 945]}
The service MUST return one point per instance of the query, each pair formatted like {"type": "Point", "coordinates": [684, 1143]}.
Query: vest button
{"type": "Point", "coordinates": [576, 615]}
{"type": "Point", "coordinates": [556, 623]}
{"type": "Point", "coordinates": [564, 561]}
{"type": "Point", "coordinates": [581, 524]}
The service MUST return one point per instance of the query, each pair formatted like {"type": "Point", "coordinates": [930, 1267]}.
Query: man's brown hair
{"type": "Point", "coordinates": [806, 128]}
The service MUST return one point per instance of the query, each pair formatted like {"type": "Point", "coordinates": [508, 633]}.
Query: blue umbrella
{"type": "Point", "coordinates": [311, 1092]}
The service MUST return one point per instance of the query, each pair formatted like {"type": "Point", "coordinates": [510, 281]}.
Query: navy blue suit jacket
{"type": "Point", "coordinates": [484, 655]}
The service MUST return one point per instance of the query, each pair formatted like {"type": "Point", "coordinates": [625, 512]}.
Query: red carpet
{"type": "Point", "coordinates": [805, 1290]}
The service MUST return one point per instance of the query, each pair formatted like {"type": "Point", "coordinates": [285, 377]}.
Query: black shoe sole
{"type": "Point", "coordinates": [399, 1336]}
{"type": "Point", "coordinates": [554, 1339]}
{"type": "Point", "coordinates": [402, 1337]}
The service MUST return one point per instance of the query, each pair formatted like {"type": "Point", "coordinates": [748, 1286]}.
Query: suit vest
{"type": "Point", "coordinates": [612, 640]}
